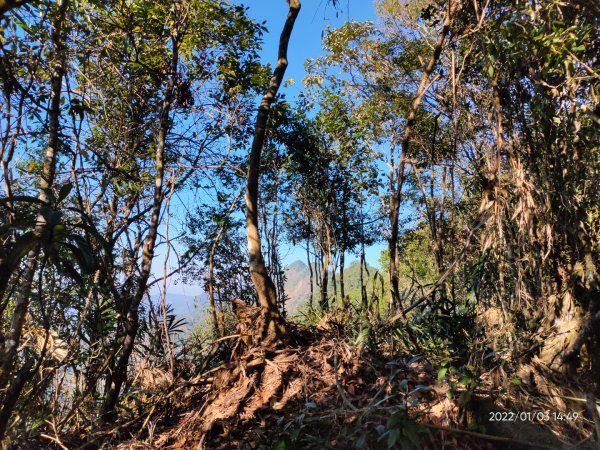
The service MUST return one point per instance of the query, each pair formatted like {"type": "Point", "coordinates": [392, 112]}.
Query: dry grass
{"type": "Point", "coordinates": [327, 394]}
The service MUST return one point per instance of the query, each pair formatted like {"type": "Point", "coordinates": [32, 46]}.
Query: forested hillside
{"type": "Point", "coordinates": [147, 144]}
{"type": "Point", "coordinates": [298, 292]}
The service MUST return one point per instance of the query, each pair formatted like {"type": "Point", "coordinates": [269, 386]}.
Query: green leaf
{"type": "Point", "coordinates": [361, 441]}
{"type": "Point", "coordinates": [442, 373]}
{"type": "Point", "coordinates": [396, 419]}
{"type": "Point", "coordinates": [465, 380]}
{"type": "Point", "coordinates": [281, 445]}
{"type": "Point", "coordinates": [83, 255]}
{"type": "Point", "coordinates": [393, 437]}
{"type": "Point", "coordinates": [22, 246]}
{"type": "Point", "coordinates": [64, 266]}
{"type": "Point", "coordinates": [65, 190]}
{"type": "Point", "coordinates": [411, 431]}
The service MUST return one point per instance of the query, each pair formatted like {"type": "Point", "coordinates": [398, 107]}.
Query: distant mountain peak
{"type": "Point", "coordinates": [297, 265]}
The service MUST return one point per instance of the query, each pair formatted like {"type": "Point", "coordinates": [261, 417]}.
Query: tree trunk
{"type": "Point", "coordinates": [345, 299]}
{"type": "Point", "coordinates": [317, 266]}
{"type": "Point", "coordinates": [334, 279]}
{"type": "Point", "coordinates": [346, 302]}
{"type": "Point", "coordinates": [310, 268]}
{"type": "Point", "coordinates": [131, 324]}
{"type": "Point", "coordinates": [324, 302]}
{"type": "Point", "coordinates": [211, 290]}
{"type": "Point", "coordinates": [13, 393]}
{"type": "Point", "coordinates": [363, 288]}
{"type": "Point", "coordinates": [272, 326]}
{"type": "Point", "coordinates": [211, 270]}
{"type": "Point", "coordinates": [21, 305]}
{"type": "Point", "coordinates": [396, 187]}
{"type": "Point", "coordinates": [396, 183]}
{"type": "Point", "coordinates": [363, 285]}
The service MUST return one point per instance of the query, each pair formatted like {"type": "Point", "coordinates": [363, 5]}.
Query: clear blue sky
{"type": "Point", "coordinates": [305, 43]}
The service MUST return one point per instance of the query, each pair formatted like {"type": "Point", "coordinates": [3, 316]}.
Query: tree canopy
{"type": "Point", "coordinates": [144, 144]}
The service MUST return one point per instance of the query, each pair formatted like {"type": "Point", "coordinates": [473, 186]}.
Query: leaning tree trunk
{"type": "Point", "coordinates": [131, 324]}
{"type": "Point", "coordinates": [396, 188]}
{"type": "Point", "coordinates": [12, 384]}
{"type": "Point", "coordinates": [345, 299]}
{"type": "Point", "coordinates": [272, 326]}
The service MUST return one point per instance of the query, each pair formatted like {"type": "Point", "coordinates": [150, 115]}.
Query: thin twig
{"type": "Point", "coordinates": [345, 399]}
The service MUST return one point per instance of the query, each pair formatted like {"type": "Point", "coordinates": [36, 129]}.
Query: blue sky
{"type": "Point", "coordinates": [305, 43]}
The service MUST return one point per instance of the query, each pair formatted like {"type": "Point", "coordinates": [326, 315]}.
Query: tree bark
{"type": "Point", "coordinates": [310, 268]}
{"type": "Point", "coordinates": [46, 182]}
{"type": "Point", "coordinates": [363, 284]}
{"type": "Point", "coordinates": [396, 185]}
{"type": "Point", "coordinates": [272, 326]}
{"type": "Point", "coordinates": [344, 237]}
{"type": "Point", "coordinates": [324, 302]}
{"type": "Point", "coordinates": [131, 324]}
{"type": "Point", "coordinates": [334, 279]}
{"type": "Point", "coordinates": [345, 299]}
{"type": "Point", "coordinates": [396, 192]}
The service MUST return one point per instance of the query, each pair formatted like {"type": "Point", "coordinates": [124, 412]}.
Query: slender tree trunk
{"type": "Point", "coordinates": [211, 270]}
{"type": "Point", "coordinates": [396, 192]}
{"type": "Point", "coordinates": [13, 393]}
{"type": "Point", "coordinates": [310, 268]}
{"type": "Point", "coordinates": [46, 182]}
{"type": "Point", "coordinates": [363, 289]}
{"type": "Point", "coordinates": [272, 326]}
{"type": "Point", "coordinates": [345, 300]}
{"type": "Point", "coordinates": [334, 269]}
{"type": "Point", "coordinates": [276, 269]}
{"type": "Point", "coordinates": [266, 241]}
{"type": "Point", "coordinates": [364, 268]}
{"type": "Point", "coordinates": [396, 184]}
{"type": "Point", "coordinates": [317, 267]}
{"type": "Point", "coordinates": [324, 302]}
{"type": "Point", "coordinates": [211, 290]}
{"type": "Point", "coordinates": [131, 324]}
{"type": "Point", "coordinates": [436, 216]}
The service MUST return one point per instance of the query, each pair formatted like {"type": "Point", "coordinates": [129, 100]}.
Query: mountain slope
{"type": "Point", "coordinates": [297, 286]}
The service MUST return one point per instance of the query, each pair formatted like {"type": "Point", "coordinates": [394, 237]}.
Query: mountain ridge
{"type": "Point", "coordinates": [297, 285]}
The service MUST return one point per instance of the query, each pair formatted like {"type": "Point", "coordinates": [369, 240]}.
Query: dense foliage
{"type": "Point", "coordinates": [463, 136]}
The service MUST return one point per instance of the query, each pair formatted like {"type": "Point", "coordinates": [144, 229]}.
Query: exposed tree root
{"type": "Point", "coordinates": [325, 393]}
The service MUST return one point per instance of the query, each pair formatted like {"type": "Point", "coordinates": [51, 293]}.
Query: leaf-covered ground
{"type": "Point", "coordinates": [326, 392]}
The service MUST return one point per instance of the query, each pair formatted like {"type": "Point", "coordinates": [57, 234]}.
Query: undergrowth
{"type": "Point", "coordinates": [351, 381]}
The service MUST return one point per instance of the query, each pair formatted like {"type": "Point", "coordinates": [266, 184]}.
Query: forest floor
{"type": "Point", "coordinates": [325, 392]}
